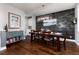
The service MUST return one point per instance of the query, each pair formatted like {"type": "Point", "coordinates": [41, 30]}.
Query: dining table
{"type": "Point", "coordinates": [50, 34]}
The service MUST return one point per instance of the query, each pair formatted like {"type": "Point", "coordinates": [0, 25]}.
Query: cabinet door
{"type": "Point", "coordinates": [3, 39]}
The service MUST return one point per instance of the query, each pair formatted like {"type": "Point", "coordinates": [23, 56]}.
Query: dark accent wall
{"type": "Point", "coordinates": [63, 18]}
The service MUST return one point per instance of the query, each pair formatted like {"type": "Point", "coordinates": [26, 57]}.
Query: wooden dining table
{"type": "Point", "coordinates": [52, 35]}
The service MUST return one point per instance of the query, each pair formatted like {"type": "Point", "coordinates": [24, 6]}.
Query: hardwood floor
{"type": "Point", "coordinates": [26, 48]}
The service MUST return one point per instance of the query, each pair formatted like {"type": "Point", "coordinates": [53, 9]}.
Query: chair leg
{"type": "Point", "coordinates": [53, 42]}
{"type": "Point", "coordinates": [64, 45]}
{"type": "Point", "coordinates": [45, 42]}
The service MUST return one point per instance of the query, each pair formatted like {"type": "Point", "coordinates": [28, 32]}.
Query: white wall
{"type": "Point", "coordinates": [31, 22]}
{"type": "Point", "coordinates": [2, 17]}
{"type": "Point", "coordinates": [4, 9]}
{"type": "Point", "coordinates": [34, 22]}
{"type": "Point", "coordinates": [77, 25]}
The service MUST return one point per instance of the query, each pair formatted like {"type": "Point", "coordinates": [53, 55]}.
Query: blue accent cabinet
{"type": "Point", "coordinates": [2, 39]}
{"type": "Point", "coordinates": [14, 36]}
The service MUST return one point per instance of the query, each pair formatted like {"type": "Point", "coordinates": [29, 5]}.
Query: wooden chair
{"type": "Point", "coordinates": [62, 42]}
{"type": "Point", "coordinates": [48, 39]}
{"type": "Point", "coordinates": [36, 37]}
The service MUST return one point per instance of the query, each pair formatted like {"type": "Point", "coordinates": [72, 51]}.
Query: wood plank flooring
{"type": "Point", "coordinates": [26, 48]}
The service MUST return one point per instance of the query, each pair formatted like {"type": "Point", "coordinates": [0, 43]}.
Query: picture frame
{"type": "Point", "coordinates": [14, 21]}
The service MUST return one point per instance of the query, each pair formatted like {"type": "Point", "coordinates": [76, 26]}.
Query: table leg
{"type": "Point", "coordinates": [64, 44]}
{"type": "Point", "coordinates": [19, 38]}
{"type": "Point", "coordinates": [15, 39]}
{"type": "Point", "coordinates": [53, 41]}
{"type": "Point", "coordinates": [31, 37]}
{"type": "Point", "coordinates": [58, 44]}
{"type": "Point", "coordinates": [9, 41]}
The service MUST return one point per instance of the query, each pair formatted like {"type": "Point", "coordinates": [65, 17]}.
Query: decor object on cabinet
{"type": "Point", "coordinates": [6, 28]}
{"type": "Point", "coordinates": [14, 21]}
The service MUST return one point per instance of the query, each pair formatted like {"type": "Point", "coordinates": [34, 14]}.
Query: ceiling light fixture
{"type": "Point", "coordinates": [43, 5]}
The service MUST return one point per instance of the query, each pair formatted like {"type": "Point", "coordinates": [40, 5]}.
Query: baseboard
{"type": "Point", "coordinates": [70, 40]}
{"type": "Point", "coordinates": [77, 43]}
{"type": "Point", "coordinates": [3, 48]}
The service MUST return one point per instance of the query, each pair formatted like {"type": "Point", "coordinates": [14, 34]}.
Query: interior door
{"type": "Point", "coordinates": [29, 25]}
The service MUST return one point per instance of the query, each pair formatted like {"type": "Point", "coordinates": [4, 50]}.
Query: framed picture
{"type": "Point", "coordinates": [14, 21]}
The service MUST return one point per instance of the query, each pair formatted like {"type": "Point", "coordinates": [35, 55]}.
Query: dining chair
{"type": "Point", "coordinates": [61, 42]}
{"type": "Point", "coordinates": [48, 39]}
{"type": "Point", "coordinates": [37, 37]}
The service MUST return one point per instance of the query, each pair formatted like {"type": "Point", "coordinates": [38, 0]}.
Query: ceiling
{"type": "Point", "coordinates": [42, 8]}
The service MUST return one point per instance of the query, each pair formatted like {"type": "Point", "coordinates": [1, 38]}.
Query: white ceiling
{"type": "Point", "coordinates": [37, 9]}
